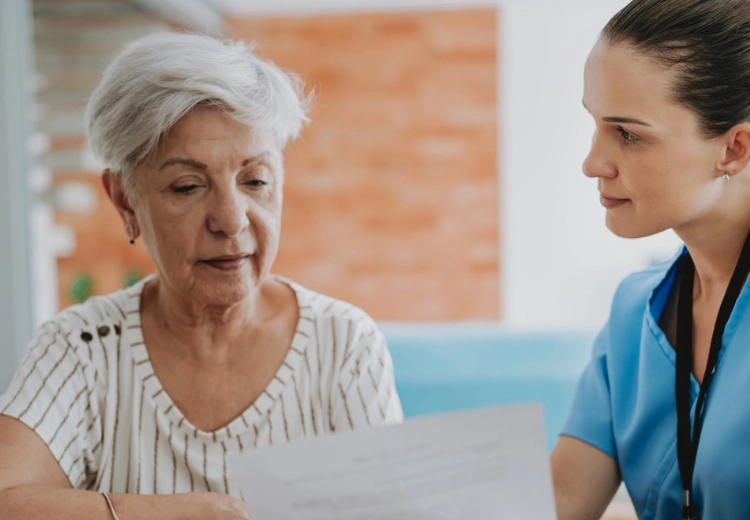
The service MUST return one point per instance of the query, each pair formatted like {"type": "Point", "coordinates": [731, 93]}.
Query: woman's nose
{"type": "Point", "coordinates": [228, 213]}
{"type": "Point", "coordinates": [597, 162]}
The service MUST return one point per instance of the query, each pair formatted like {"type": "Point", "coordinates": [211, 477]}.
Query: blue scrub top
{"type": "Point", "coordinates": [625, 405]}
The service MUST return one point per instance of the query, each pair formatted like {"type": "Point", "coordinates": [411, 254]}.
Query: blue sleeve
{"type": "Point", "coordinates": [590, 419]}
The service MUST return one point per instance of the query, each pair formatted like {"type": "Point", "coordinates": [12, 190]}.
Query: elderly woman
{"type": "Point", "coordinates": [146, 391]}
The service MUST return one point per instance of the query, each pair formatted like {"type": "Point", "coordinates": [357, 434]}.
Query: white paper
{"type": "Point", "coordinates": [488, 464]}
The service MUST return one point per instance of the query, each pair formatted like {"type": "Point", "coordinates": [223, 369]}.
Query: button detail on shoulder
{"type": "Point", "coordinates": [103, 331]}
{"type": "Point", "coordinates": [86, 336]}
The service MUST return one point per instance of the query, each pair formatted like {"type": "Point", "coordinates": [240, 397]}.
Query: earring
{"type": "Point", "coordinates": [131, 233]}
{"type": "Point", "coordinates": [725, 176]}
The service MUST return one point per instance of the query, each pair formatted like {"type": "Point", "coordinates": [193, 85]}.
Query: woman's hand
{"type": "Point", "coordinates": [182, 506]}
{"type": "Point", "coordinates": [214, 506]}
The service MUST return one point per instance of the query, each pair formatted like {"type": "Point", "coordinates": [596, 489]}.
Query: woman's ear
{"type": "Point", "coordinates": [116, 192]}
{"type": "Point", "coordinates": [737, 152]}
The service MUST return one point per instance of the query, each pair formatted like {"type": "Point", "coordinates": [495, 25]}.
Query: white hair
{"type": "Point", "coordinates": [158, 79]}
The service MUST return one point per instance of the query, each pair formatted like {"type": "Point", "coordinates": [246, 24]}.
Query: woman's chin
{"type": "Point", "coordinates": [631, 227]}
{"type": "Point", "coordinates": [221, 295]}
{"type": "Point", "coordinates": [226, 288]}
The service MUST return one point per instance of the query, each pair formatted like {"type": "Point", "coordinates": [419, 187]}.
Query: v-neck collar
{"type": "Point", "coordinates": [257, 412]}
{"type": "Point", "coordinates": [656, 300]}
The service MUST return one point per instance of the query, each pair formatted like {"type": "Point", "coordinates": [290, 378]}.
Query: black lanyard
{"type": "Point", "coordinates": [687, 446]}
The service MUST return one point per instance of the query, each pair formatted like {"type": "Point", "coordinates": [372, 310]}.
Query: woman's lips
{"type": "Point", "coordinates": [227, 264]}
{"type": "Point", "coordinates": [611, 203]}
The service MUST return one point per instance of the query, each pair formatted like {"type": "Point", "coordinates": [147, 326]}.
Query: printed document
{"type": "Point", "coordinates": [488, 464]}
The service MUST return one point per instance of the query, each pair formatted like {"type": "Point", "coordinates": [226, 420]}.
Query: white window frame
{"type": "Point", "coordinates": [16, 91]}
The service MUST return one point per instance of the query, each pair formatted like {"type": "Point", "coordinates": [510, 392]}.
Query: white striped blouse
{"type": "Point", "coordinates": [88, 389]}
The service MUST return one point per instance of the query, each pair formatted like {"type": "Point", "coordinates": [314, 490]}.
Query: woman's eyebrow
{"type": "Point", "coordinates": [200, 166]}
{"type": "Point", "coordinates": [626, 120]}
{"type": "Point", "coordinates": [622, 120]}
{"type": "Point", "coordinates": [256, 158]}
{"type": "Point", "coordinates": [187, 162]}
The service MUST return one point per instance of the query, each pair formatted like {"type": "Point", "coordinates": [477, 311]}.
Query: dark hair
{"type": "Point", "coordinates": [709, 42]}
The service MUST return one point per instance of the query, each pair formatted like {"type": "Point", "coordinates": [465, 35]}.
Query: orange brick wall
{"type": "Point", "coordinates": [392, 191]}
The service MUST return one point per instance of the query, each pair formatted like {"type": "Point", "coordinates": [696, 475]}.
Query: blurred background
{"type": "Point", "coordinates": [438, 187]}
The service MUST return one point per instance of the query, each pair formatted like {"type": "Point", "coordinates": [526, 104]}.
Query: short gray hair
{"type": "Point", "coordinates": [158, 79]}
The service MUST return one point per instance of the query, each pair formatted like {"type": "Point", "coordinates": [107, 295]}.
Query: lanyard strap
{"type": "Point", "coordinates": [687, 445]}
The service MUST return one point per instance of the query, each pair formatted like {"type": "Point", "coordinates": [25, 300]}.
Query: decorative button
{"type": "Point", "coordinates": [117, 330]}
{"type": "Point", "coordinates": [103, 331]}
{"type": "Point", "coordinates": [85, 336]}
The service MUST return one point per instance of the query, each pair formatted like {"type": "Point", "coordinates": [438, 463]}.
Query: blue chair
{"type": "Point", "coordinates": [448, 367]}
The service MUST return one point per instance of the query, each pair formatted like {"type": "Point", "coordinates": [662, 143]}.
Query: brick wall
{"type": "Point", "coordinates": [392, 192]}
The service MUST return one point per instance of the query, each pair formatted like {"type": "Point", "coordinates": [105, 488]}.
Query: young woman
{"type": "Point", "coordinates": [664, 404]}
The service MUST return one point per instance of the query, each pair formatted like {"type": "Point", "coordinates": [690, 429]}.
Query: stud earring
{"type": "Point", "coordinates": [725, 176]}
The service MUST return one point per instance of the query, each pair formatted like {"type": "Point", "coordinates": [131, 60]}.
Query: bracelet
{"type": "Point", "coordinates": [111, 507]}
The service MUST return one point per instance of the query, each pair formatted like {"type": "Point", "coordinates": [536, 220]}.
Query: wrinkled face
{"type": "Point", "coordinates": [654, 169]}
{"type": "Point", "coordinates": [208, 204]}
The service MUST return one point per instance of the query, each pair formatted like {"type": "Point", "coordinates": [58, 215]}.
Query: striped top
{"type": "Point", "coordinates": [88, 389]}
